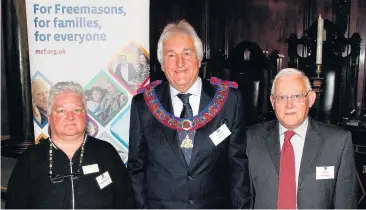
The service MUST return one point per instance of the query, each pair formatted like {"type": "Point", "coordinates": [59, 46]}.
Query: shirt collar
{"type": "Point", "coordinates": [300, 131]}
{"type": "Point", "coordinates": [194, 90]}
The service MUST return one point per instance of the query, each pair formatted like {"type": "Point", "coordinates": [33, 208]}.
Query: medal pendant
{"type": "Point", "coordinates": [187, 143]}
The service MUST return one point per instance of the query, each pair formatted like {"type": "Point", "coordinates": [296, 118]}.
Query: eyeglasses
{"type": "Point", "coordinates": [295, 98]}
{"type": "Point", "coordinates": [57, 178]}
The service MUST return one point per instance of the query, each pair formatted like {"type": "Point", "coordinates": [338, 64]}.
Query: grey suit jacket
{"type": "Point", "coordinates": [325, 145]}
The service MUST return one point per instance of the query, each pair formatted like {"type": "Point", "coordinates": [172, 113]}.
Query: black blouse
{"type": "Point", "coordinates": [30, 186]}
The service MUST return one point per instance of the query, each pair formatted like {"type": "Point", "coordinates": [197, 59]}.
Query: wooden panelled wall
{"type": "Point", "coordinates": [4, 105]}
{"type": "Point", "coordinates": [224, 24]}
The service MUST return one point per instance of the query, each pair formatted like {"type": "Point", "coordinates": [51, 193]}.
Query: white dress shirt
{"type": "Point", "coordinates": [194, 99]}
{"type": "Point", "coordinates": [297, 142]}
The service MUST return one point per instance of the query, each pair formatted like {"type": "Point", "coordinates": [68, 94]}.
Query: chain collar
{"type": "Point", "coordinates": [195, 122]}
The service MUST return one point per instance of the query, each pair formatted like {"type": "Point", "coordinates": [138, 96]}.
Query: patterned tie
{"type": "Point", "coordinates": [185, 135]}
{"type": "Point", "coordinates": [187, 109]}
{"type": "Point", "coordinates": [287, 180]}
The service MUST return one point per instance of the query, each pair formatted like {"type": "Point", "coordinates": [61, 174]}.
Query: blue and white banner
{"type": "Point", "coordinates": [104, 46]}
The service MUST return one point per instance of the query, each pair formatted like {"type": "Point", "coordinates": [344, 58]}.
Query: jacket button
{"type": "Point", "coordinates": [190, 177]}
{"type": "Point", "coordinates": [191, 201]}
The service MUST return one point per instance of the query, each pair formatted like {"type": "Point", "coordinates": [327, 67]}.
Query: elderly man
{"type": "Point", "coordinates": [187, 137]}
{"type": "Point", "coordinates": [71, 169]}
{"type": "Point", "coordinates": [295, 161]}
{"type": "Point", "coordinates": [40, 96]}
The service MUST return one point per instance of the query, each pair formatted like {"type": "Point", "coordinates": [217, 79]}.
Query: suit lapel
{"type": "Point", "coordinates": [207, 93]}
{"type": "Point", "coordinates": [311, 146]}
{"type": "Point", "coordinates": [171, 135]}
{"type": "Point", "coordinates": [272, 141]}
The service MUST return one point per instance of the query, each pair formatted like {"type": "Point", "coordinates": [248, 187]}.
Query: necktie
{"type": "Point", "coordinates": [187, 109]}
{"type": "Point", "coordinates": [287, 180]}
{"type": "Point", "coordinates": [186, 138]}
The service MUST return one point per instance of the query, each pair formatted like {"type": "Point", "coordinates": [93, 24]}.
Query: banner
{"type": "Point", "coordinates": [104, 46]}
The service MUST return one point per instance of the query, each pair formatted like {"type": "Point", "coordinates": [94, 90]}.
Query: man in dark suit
{"type": "Point", "coordinates": [125, 71]}
{"type": "Point", "coordinates": [187, 137]}
{"type": "Point", "coordinates": [298, 162]}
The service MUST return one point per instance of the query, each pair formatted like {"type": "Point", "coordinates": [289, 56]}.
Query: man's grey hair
{"type": "Point", "coordinates": [35, 85]}
{"type": "Point", "coordinates": [291, 71]}
{"type": "Point", "coordinates": [65, 87]}
{"type": "Point", "coordinates": [182, 27]}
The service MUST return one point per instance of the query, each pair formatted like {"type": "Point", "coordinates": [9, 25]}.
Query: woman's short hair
{"type": "Point", "coordinates": [291, 71]}
{"type": "Point", "coordinates": [65, 87]}
{"type": "Point", "coordinates": [182, 27]}
{"type": "Point", "coordinates": [97, 89]}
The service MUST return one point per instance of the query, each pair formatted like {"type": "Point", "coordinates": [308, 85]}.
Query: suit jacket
{"type": "Point", "coordinates": [131, 72]}
{"type": "Point", "coordinates": [217, 176]}
{"type": "Point", "coordinates": [43, 116]}
{"type": "Point", "coordinates": [325, 145]}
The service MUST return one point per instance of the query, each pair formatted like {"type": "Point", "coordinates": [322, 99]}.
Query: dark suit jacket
{"type": "Point", "coordinates": [217, 177]}
{"type": "Point", "coordinates": [131, 72]}
{"type": "Point", "coordinates": [325, 145]}
{"type": "Point", "coordinates": [43, 117]}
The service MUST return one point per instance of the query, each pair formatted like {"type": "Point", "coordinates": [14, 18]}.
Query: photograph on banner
{"type": "Point", "coordinates": [91, 127]}
{"type": "Point", "coordinates": [121, 149]}
{"type": "Point", "coordinates": [131, 67]}
{"type": "Point", "coordinates": [40, 87]}
{"type": "Point", "coordinates": [104, 98]}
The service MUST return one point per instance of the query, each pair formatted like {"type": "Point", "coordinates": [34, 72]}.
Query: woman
{"type": "Point", "coordinates": [111, 103]}
{"type": "Point", "coordinates": [143, 69]}
{"type": "Point", "coordinates": [70, 169]}
{"type": "Point", "coordinates": [95, 99]}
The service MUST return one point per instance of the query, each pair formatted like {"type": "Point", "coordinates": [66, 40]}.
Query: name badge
{"type": "Point", "coordinates": [324, 172]}
{"type": "Point", "coordinates": [220, 134]}
{"type": "Point", "coordinates": [104, 180]}
{"type": "Point", "coordinates": [90, 169]}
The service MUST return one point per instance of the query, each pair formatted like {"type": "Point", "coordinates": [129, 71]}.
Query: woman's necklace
{"type": "Point", "coordinates": [50, 172]}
